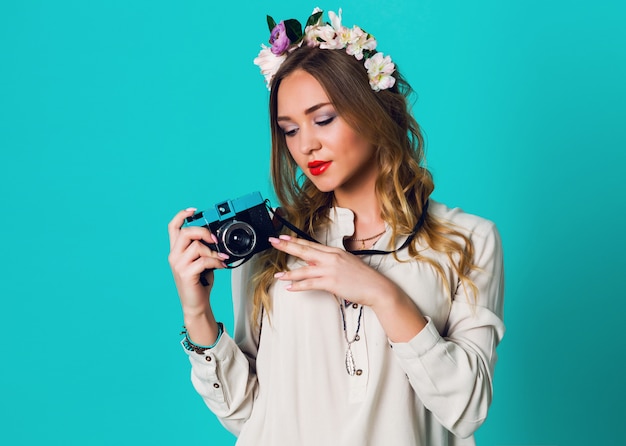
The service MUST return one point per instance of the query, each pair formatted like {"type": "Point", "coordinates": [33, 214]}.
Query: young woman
{"type": "Point", "coordinates": [334, 344]}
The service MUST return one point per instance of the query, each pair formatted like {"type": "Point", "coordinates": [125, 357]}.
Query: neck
{"type": "Point", "coordinates": [364, 204]}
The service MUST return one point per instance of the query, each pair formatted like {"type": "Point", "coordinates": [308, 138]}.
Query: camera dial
{"type": "Point", "coordinates": [238, 238]}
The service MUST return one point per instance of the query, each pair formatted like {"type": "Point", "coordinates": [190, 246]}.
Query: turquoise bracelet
{"type": "Point", "coordinates": [200, 349]}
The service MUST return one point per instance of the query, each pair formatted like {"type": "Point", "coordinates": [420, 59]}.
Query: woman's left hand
{"type": "Point", "coordinates": [346, 276]}
{"type": "Point", "coordinates": [333, 270]}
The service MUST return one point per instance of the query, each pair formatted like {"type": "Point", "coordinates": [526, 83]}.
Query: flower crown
{"type": "Point", "coordinates": [287, 36]}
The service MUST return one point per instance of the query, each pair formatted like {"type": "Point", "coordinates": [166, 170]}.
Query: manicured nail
{"type": "Point", "coordinates": [284, 237]}
{"type": "Point", "coordinates": [222, 255]}
{"type": "Point", "coordinates": [191, 209]}
{"type": "Point", "coordinates": [273, 240]}
{"type": "Point", "coordinates": [214, 239]}
{"type": "Point", "coordinates": [279, 275]}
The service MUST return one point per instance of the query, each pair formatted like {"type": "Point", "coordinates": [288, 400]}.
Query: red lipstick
{"type": "Point", "coordinates": [318, 167]}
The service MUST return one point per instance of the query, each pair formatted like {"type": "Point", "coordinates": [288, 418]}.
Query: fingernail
{"type": "Point", "coordinates": [279, 275]}
{"type": "Point", "coordinates": [224, 265]}
{"type": "Point", "coordinates": [221, 255]}
{"type": "Point", "coordinates": [273, 240]}
{"type": "Point", "coordinates": [214, 239]}
{"type": "Point", "coordinates": [191, 209]}
{"type": "Point", "coordinates": [284, 237]}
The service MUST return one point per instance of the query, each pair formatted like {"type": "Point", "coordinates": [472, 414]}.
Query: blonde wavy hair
{"type": "Point", "coordinates": [403, 185]}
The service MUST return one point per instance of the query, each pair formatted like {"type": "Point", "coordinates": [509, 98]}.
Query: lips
{"type": "Point", "coordinates": [318, 167]}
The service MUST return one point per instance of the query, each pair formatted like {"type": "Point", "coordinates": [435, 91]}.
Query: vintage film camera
{"type": "Point", "coordinates": [241, 226]}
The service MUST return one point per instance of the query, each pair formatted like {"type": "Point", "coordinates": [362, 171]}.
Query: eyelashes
{"type": "Point", "coordinates": [289, 131]}
{"type": "Point", "coordinates": [325, 121]}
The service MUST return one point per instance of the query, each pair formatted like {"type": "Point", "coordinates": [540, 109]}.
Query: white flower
{"type": "Point", "coordinates": [335, 20]}
{"type": "Point", "coordinates": [312, 28]}
{"type": "Point", "coordinates": [345, 36]}
{"type": "Point", "coordinates": [380, 69]}
{"type": "Point", "coordinates": [379, 64]}
{"type": "Point", "coordinates": [383, 83]}
{"type": "Point", "coordinates": [329, 37]}
{"type": "Point", "coordinates": [269, 63]}
{"type": "Point", "coordinates": [312, 32]}
{"type": "Point", "coordinates": [323, 36]}
{"type": "Point", "coordinates": [360, 41]}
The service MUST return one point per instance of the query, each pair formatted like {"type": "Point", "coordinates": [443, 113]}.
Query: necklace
{"type": "Point", "coordinates": [350, 366]}
{"type": "Point", "coordinates": [363, 240]}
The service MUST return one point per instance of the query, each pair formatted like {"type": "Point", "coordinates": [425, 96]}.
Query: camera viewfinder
{"type": "Point", "coordinates": [223, 209]}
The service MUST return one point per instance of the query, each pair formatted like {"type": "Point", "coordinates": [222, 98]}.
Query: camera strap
{"type": "Point", "coordinates": [239, 262]}
{"type": "Point", "coordinates": [364, 252]}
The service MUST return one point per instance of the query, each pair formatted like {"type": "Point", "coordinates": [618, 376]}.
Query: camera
{"type": "Point", "coordinates": [242, 227]}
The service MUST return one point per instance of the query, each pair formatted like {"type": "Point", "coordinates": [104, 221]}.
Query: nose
{"type": "Point", "coordinates": [309, 141]}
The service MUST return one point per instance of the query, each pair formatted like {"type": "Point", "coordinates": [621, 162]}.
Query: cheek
{"type": "Point", "coordinates": [290, 148]}
{"type": "Point", "coordinates": [295, 154]}
{"type": "Point", "coordinates": [361, 148]}
{"type": "Point", "coordinates": [349, 138]}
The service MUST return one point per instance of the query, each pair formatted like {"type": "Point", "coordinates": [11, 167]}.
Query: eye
{"type": "Point", "coordinates": [289, 131]}
{"type": "Point", "coordinates": [325, 120]}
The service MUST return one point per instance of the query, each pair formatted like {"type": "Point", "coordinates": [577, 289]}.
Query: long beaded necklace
{"type": "Point", "coordinates": [350, 365]}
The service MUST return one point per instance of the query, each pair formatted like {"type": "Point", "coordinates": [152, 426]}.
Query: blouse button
{"type": "Point", "coordinates": [208, 358]}
{"type": "Point", "coordinates": [216, 385]}
{"type": "Point", "coordinates": [355, 306]}
{"type": "Point", "coordinates": [359, 372]}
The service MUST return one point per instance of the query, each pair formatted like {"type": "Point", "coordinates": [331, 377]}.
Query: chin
{"type": "Point", "coordinates": [323, 186]}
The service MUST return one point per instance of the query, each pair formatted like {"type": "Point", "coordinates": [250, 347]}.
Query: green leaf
{"type": "Point", "coordinates": [294, 30]}
{"type": "Point", "coordinates": [314, 18]}
{"type": "Point", "coordinates": [271, 23]}
{"type": "Point", "coordinates": [368, 53]}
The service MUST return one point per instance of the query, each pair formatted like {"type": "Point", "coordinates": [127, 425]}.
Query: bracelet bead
{"type": "Point", "coordinates": [200, 349]}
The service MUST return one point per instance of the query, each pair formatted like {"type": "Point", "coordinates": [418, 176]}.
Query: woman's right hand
{"type": "Point", "coordinates": [190, 259]}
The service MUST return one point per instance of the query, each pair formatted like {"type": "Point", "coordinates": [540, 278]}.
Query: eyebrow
{"type": "Point", "coordinates": [308, 111]}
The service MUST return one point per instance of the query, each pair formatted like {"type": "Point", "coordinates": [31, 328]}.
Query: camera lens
{"type": "Point", "coordinates": [238, 238]}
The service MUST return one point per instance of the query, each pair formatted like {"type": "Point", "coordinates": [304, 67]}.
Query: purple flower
{"type": "Point", "coordinates": [279, 40]}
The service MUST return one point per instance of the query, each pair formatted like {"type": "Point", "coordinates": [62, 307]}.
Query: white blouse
{"type": "Point", "coordinates": [288, 384]}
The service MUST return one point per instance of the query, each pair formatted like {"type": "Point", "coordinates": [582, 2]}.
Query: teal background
{"type": "Point", "coordinates": [114, 115]}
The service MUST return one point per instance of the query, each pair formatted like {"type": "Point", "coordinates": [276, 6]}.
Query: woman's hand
{"type": "Point", "coordinates": [348, 277]}
{"type": "Point", "coordinates": [333, 270]}
{"type": "Point", "coordinates": [190, 259]}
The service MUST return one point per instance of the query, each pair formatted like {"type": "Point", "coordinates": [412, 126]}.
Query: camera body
{"type": "Point", "coordinates": [242, 226]}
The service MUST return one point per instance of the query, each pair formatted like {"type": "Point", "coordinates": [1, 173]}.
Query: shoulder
{"type": "Point", "coordinates": [479, 230]}
{"type": "Point", "coordinates": [487, 251]}
{"type": "Point", "coordinates": [456, 217]}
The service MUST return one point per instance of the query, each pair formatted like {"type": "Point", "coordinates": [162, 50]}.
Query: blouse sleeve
{"type": "Point", "coordinates": [452, 372]}
{"type": "Point", "coordinates": [225, 376]}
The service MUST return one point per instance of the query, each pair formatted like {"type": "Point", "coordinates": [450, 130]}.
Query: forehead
{"type": "Point", "coordinates": [298, 92]}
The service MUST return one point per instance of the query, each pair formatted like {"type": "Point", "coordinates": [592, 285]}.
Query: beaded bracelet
{"type": "Point", "coordinates": [200, 349]}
